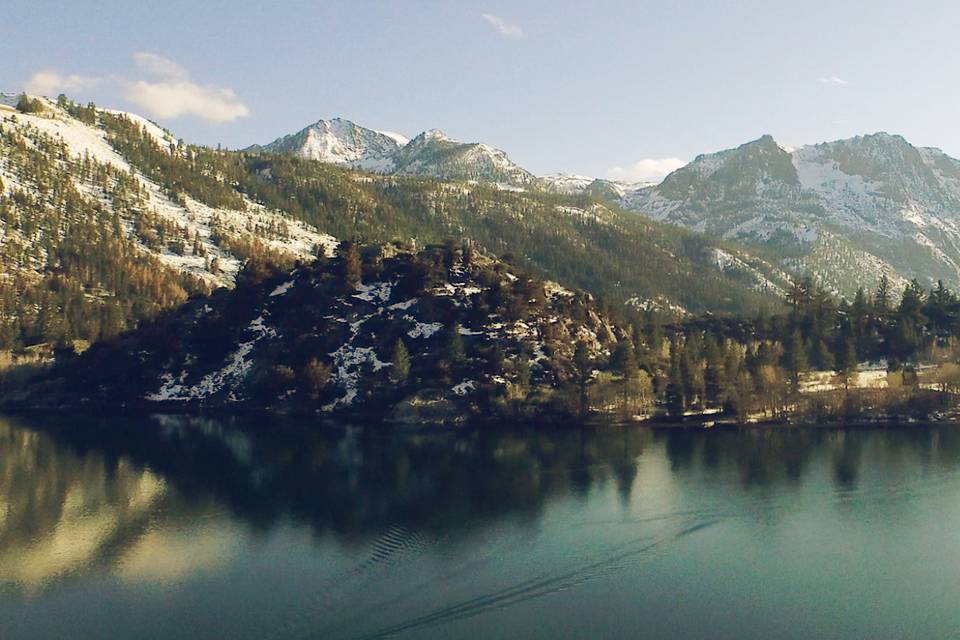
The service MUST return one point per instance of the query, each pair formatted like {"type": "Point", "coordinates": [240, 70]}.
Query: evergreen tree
{"type": "Point", "coordinates": [798, 297]}
{"type": "Point", "coordinates": [675, 401]}
{"type": "Point", "coordinates": [691, 369]}
{"type": "Point", "coordinates": [352, 264]}
{"type": "Point", "coordinates": [623, 362]}
{"type": "Point", "coordinates": [715, 374]}
{"type": "Point", "coordinates": [911, 304]}
{"type": "Point", "coordinates": [821, 356]}
{"type": "Point", "coordinates": [938, 310]}
{"type": "Point", "coordinates": [400, 361]}
{"type": "Point", "coordinates": [795, 358]}
{"type": "Point", "coordinates": [453, 345]}
{"type": "Point", "coordinates": [523, 373]}
{"type": "Point", "coordinates": [881, 299]}
{"type": "Point", "coordinates": [583, 365]}
{"type": "Point", "coordinates": [845, 353]}
{"type": "Point", "coordinates": [861, 325]}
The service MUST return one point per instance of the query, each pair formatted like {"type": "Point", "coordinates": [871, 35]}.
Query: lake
{"type": "Point", "coordinates": [172, 527]}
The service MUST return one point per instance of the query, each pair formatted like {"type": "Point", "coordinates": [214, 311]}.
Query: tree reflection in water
{"type": "Point", "coordinates": [85, 496]}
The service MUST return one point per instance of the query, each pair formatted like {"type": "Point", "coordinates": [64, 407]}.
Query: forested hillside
{"type": "Point", "coordinates": [447, 334]}
{"type": "Point", "coordinates": [89, 245]}
{"type": "Point", "coordinates": [440, 335]}
{"type": "Point", "coordinates": [106, 219]}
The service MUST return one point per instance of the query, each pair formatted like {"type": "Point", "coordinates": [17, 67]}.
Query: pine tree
{"type": "Point", "coordinates": [352, 265]}
{"type": "Point", "coordinates": [820, 355]}
{"type": "Point", "coordinates": [675, 401]}
{"type": "Point", "coordinates": [400, 361]}
{"type": "Point", "coordinates": [715, 375]}
{"type": "Point", "coordinates": [523, 373]}
{"type": "Point", "coordinates": [583, 364]}
{"type": "Point", "coordinates": [845, 352]}
{"type": "Point", "coordinates": [860, 324]}
{"type": "Point", "coordinates": [691, 369]}
{"type": "Point", "coordinates": [454, 351]}
{"type": "Point", "coordinates": [911, 304]}
{"type": "Point", "coordinates": [795, 358]}
{"type": "Point", "coordinates": [623, 362]}
{"type": "Point", "coordinates": [881, 299]}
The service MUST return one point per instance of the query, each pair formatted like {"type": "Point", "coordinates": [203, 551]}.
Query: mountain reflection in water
{"type": "Point", "coordinates": [235, 528]}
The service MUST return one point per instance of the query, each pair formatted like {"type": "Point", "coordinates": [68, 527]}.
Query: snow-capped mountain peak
{"type": "Point", "coordinates": [342, 142]}
{"type": "Point", "coordinates": [435, 134]}
{"type": "Point", "coordinates": [845, 211]}
{"type": "Point", "coordinates": [431, 153]}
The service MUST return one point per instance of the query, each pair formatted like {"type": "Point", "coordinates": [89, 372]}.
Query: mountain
{"type": "Point", "coordinates": [343, 143]}
{"type": "Point", "coordinates": [571, 184]}
{"type": "Point", "coordinates": [434, 154]}
{"type": "Point", "coordinates": [106, 220]}
{"type": "Point", "coordinates": [436, 335]}
{"type": "Point", "coordinates": [431, 154]}
{"type": "Point", "coordinates": [845, 212]}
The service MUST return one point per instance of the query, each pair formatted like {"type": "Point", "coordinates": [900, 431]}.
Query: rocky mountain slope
{"type": "Point", "coordinates": [438, 334]}
{"type": "Point", "coordinates": [845, 212]}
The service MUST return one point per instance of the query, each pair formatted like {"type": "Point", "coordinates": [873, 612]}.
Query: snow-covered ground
{"type": "Point", "coordinates": [236, 368]}
{"type": "Point", "coordinates": [867, 376]}
{"type": "Point", "coordinates": [198, 219]}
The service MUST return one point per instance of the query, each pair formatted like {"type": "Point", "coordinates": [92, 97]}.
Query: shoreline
{"type": "Point", "coordinates": [545, 422]}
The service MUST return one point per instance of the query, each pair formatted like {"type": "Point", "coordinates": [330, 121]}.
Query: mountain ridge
{"type": "Point", "coordinates": [889, 206]}
{"type": "Point", "coordinates": [431, 153]}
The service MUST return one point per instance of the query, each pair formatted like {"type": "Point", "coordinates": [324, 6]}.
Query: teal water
{"type": "Point", "coordinates": [192, 528]}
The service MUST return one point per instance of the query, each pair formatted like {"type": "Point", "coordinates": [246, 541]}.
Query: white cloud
{"type": "Point", "coordinates": [158, 65]}
{"type": "Point", "coordinates": [171, 96]}
{"type": "Point", "coordinates": [834, 80]}
{"type": "Point", "coordinates": [646, 170]}
{"type": "Point", "coordinates": [50, 83]}
{"type": "Point", "coordinates": [176, 98]}
{"type": "Point", "coordinates": [503, 27]}
{"type": "Point", "coordinates": [175, 95]}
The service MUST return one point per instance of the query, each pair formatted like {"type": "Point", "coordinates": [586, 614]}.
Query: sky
{"type": "Point", "coordinates": [622, 89]}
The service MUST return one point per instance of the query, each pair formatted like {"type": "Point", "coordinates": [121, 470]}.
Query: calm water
{"type": "Point", "coordinates": [173, 528]}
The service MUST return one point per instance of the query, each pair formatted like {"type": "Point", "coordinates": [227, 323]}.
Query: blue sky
{"type": "Point", "coordinates": [561, 86]}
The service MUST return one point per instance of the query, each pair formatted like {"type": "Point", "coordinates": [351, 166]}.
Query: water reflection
{"type": "Point", "coordinates": [83, 495]}
{"type": "Point", "coordinates": [165, 500]}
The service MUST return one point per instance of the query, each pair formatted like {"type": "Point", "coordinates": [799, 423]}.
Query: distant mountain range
{"type": "Point", "coordinates": [431, 154]}
{"type": "Point", "coordinates": [844, 212]}
{"type": "Point", "coordinates": [105, 217]}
